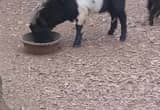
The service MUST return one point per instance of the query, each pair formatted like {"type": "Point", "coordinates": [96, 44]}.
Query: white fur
{"type": "Point", "coordinates": [87, 6]}
{"type": "Point", "coordinates": [91, 5]}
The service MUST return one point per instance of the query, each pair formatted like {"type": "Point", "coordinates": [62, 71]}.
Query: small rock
{"type": "Point", "coordinates": [20, 22]}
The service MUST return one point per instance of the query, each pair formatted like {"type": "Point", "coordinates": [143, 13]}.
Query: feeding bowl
{"type": "Point", "coordinates": [40, 48]}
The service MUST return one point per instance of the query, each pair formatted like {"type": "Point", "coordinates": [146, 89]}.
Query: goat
{"type": "Point", "coordinates": [54, 12]}
{"type": "Point", "coordinates": [154, 10]}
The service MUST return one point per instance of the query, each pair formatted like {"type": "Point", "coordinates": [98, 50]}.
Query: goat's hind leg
{"type": "Point", "coordinates": [119, 9]}
{"type": "Point", "coordinates": [113, 24]}
{"type": "Point", "coordinates": [152, 15]}
{"type": "Point", "coordinates": [123, 21]}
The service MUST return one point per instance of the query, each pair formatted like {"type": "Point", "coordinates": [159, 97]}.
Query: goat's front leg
{"type": "Point", "coordinates": [78, 38]}
{"type": "Point", "coordinates": [79, 25]}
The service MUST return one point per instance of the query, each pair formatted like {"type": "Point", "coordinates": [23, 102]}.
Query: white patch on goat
{"type": "Point", "coordinates": [36, 10]}
{"type": "Point", "coordinates": [91, 5]}
{"type": "Point", "coordinates": [85, 7]}
{"type": "Point", "coordinates": [82, 16]}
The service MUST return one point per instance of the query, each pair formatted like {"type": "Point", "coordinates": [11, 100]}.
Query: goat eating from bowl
{"type": "Point", "coordinates": [54, 12]}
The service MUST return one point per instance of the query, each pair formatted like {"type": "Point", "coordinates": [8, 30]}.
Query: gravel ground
{"type": "Point", "coordinates": [3, 105]}
{"type": "Point", "coordinates": [104, 74]}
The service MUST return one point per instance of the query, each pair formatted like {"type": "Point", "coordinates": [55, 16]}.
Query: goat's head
{"type": "Point", "coordinates": [51, 14]}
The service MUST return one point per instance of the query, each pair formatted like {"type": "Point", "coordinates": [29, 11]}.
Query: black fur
{"type": "Point", "coordinates": [154, 10]}
{"type": "Point", "coordinates": [116, 8]}
{"type": "Point", "coordinates": [55, 12]}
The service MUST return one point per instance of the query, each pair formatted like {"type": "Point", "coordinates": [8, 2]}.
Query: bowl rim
{"type": "Point", "coordinates": [41, 44]}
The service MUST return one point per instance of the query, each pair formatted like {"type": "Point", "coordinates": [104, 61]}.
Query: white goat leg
{"type": "Point", "coordinates": [83, 14]}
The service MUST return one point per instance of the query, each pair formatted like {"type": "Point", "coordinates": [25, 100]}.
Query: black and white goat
{"type": "Point", "coordinates": [54, 12]}
{"type": "Point", "coordinates": [154, 10]}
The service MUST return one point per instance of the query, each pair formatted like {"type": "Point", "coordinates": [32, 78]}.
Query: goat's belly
{"type": "Point", "coordinates": [91, 5]}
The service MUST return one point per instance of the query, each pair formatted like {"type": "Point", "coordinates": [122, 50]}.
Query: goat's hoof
{"type": "Point", "coordinates": [151, 23]}
{"type": "Point", "coordinates": [76, 45]}
{"type": "Point", "coordinates": [122, 39]}
{"type": "Point", "coordinates": [110, 32]}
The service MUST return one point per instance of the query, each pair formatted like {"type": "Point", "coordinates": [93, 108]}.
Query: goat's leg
{"type": "Point", "coordinates": [151, 16]}
{"type": "Point", "coordinates": [149, 4]}
{"type": "Point", "coordinates": [123, 21]}
{"type": "Point", "coordinates": [113, 24]}
{"type": "Point", "coordinates": [119, 9]}
{"type": "Point", "coordinates": [78, 38]}
{"type": "Point", "coordinates": [79, 25]}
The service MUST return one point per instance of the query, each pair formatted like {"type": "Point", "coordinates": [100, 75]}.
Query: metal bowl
{"type": "Point", "coordinates": [40, 48]}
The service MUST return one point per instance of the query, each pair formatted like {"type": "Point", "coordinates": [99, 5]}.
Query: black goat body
{"type": "Point", "coordinates": [54, 12]}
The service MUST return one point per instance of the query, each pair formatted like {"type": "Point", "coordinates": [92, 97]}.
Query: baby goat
{"type": "Point", "coordinates": [154, 10]}
{"type": "Point", "coordinates": [54, 12]}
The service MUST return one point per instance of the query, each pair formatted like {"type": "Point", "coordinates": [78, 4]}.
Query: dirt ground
{"type": "Point", "coordinates": [104, 74]}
